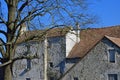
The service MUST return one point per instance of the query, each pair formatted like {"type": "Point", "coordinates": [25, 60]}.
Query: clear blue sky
{"type": "Point", "coordinates": [108, 12]}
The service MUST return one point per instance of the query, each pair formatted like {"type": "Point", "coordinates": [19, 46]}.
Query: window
{"type": "Point", "coordinates": [28, 64]}
{"type": "Point", "coordinates": [112, 77]}
{"type": "Point", "coordinates": [27, 78]}
{"type": "Point", "coordinates": [52, 78]}
{"type": "Point", "coordinates": [51, 64]}
{"type": "Point", "coordinates": [75, 78]}
{"type": "Point", "coordinates": [112, 55]}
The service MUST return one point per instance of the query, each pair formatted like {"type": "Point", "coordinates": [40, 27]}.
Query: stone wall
{"type": "Point", "coordinates": [95, 65]}
{"type": "Point", "coordinates": [34, 68]}
{"type": "Point", "coordinates": [29, 68]}
{"type": "Point", "coordinates": [56, 56]}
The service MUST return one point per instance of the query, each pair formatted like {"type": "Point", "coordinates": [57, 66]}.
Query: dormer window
{"type": "Point", "coordinates": [111, 55]}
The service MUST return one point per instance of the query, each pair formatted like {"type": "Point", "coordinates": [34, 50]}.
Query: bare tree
{"type": "Point", "coordinates": [37, 14]}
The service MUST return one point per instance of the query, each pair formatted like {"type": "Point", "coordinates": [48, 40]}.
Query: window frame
{"type": "Point", "coordinates": [28, 79]}
{"type": "Point", "coordinates": [108, 51]}
{"type": "Point", "coordinates": [75, 78]}
{"type": "Point", "coordinates": [52, 78]}
{"type": "Point", "coordinates": [113, 75]}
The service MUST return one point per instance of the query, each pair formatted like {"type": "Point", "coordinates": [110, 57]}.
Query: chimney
{"type": "Point", "coordinates": [77, 32]}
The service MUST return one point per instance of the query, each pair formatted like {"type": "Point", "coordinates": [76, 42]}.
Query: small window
{"type": "Point", "coordinates": [75, 78]}
{"type": "Point", "coordinates": [27, 78]}
{"type": "Point", "coordinates": [112, 77]}
{"type": "Point", "coordinates": [51, 64]}
{"type": "Point", "coordinates": [28, 64]}
{"type": "Point", "coordinates": [112, 55]}
{"type": "Point", "coordinates": [52, 78]}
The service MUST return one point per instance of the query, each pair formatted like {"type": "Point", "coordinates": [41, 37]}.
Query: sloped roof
{"type": "Point", "coordinates": [114, 40]}
{"type": "Point", "coordinates": [40, 34]}
{"type": "Point", "coordinates": [89, 37]}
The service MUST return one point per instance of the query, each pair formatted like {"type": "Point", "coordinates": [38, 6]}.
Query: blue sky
{"type": "Point", "coordinates": [108, 12]}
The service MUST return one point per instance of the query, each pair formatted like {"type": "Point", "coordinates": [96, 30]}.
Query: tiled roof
{"type": "Point", "coordinates": [105, 32]}
{"type": "Point", "coordinates": [89, 37]}
{"type": "Point", "coordinates": [40, 34]}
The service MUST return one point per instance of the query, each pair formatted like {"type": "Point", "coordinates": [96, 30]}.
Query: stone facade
{"type": "Point", "coordinates": [33, 69]}
{"type": "Point", "coordinates": [29, 68]}
{"type": "Point", "coordinates": [96, 64]}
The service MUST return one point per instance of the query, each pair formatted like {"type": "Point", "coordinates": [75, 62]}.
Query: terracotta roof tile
{"type": "Point", "coordinates": [89, 37]}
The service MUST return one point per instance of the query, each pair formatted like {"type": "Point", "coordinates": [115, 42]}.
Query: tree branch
{"type": "Point", "coordinates": [41, 2]}
{"type": "Point", "coordinates": [42, 34]}
{"type": "Point", "coordinates": [2, 20]}
{"type": "Point", "coordinates": [26, 57]}
{"type": "Point", "coordinates": [23, 6]}
{"type": "Point", "coordinates": [6, 63]}
{"type": "Point", "coordinates": [3, 32]}
{"type": "Point", "coordinates": [6, 1]}
{"type": "Point", "coordinates": [2, 50]}
{"type": "Point", "coordinates": [18, 58]}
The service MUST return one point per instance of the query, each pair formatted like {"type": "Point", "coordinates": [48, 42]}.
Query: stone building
{"type": "Point", "coordinates": [63, 54]}
{"type": "Point", "coordinates": [102, 62]}
{"type": "Point", "coordinates": [99, 52]}
{"type": "Point", "coordinates": [51, 48]}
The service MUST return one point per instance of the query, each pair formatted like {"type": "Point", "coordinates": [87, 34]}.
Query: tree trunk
{"type": "Point", "coordinates": [8, 73]}
{"type": "Point", "coordinates": [12, 5]}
